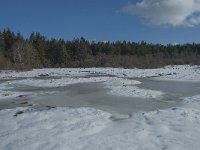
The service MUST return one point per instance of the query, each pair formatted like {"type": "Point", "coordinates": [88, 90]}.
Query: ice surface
{"type": "Point", "coordinates": [118, 86]}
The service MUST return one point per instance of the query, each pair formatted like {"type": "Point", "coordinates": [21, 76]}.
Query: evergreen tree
{"type": "Point", "coordinates": [37, 51]}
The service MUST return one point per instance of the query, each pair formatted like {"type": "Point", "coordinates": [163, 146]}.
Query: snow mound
{"type": "Point", "coordinates": [57, 82]}
{"type": "Point", "coordinates": [192, 102]}
{"type": "Point", "coordinates": [125, 87]}
{"type": "Point", "coordinates": [59, 128]}
{"type": "Point", "coordinates": [172, 129]}
{"type": "Point", "coordinates": [133, 91]}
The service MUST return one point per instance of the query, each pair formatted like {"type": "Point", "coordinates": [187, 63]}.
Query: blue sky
{"type": "Point", "coordinates": [100, 20]}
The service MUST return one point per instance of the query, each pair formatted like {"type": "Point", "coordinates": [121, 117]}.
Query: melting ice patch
{"type": "Point", "coordinates": [118, 86]}
{"type": "Point", "coordinates": [6, 93]}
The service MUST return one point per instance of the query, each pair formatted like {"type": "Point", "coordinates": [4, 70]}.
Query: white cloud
{"type": "Point", "coordinates": [166, 12]}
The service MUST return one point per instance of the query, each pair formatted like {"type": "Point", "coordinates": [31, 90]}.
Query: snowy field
{"type": "Point", "coordinates": [180, 72]}
{"type": "Point", "coordinates": [89, 128]}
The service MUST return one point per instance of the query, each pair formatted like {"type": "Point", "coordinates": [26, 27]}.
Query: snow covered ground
{"type": "Point", "coordinates": [59, 128]}
{"type": "Point", "coordinates": [88, 128]}
{"type": "Point", "coordinates": [179, 72]}
{"type": "Point", "coordinates": [109, 76]}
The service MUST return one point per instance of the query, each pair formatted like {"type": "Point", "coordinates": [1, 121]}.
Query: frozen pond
{"type": "Point", "coordinates": [173, 89]}
{"type": "Point", "coordinates": [95, 95]}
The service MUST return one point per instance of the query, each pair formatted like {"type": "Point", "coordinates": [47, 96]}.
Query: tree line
{"type": "Point", "coordinates": [36, 51]}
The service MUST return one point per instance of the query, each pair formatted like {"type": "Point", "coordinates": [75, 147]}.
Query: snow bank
{"type": "Point", "coordinates": [6, 93]}
{"type": "Point", "coordinates": [57, 82]}
{"type": "Point", "coordinates": [133, 91]}
{"type": "Point", "coordinates": [171, 129]}
{"type": "Point", "coordinates": [179, 72]}
{"type": "Point", "coordinates": [126, 87]}
{"type": "Point", "coordinates": [53, 72]}
{"type": "Point", "coordinates": [192, 102]}
{"type": "Point", "coordinates": [60, 128]}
